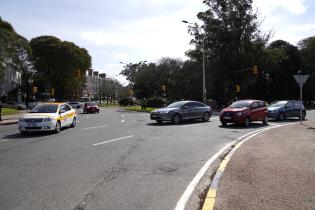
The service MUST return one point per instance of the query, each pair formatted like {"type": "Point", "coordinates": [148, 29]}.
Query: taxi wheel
{"type": "Point", "coordinates": [74, 122]}
{"type": "Point", "coordinates": [58, 127]}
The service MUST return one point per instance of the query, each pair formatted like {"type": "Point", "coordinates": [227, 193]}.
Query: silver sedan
{"type": "Point", "coordinates": [182, 110]}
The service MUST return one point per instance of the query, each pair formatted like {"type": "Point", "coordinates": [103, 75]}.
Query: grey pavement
{"type": "Point", "coordinates": [149, 170]}
{"type": "Point", "coordinates": [139, 165]}
{"type": "Point", "coordinates": [274, 170]}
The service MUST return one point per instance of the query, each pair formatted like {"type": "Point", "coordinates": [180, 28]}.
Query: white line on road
{"type": "Point", "coordinates": [3, 141]}
{"type": "Point", "coordinates": [105, 142]}
{"type": "Point", "coordinates": [122, 121]}
{"type": "Point", "coordinates": [102, 126]}
{"type": "Point", "coordinates": [193, 125]}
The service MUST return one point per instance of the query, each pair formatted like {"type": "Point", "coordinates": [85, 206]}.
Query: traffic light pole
{"type": "Point", "coordinates": [301, 98]}
{"type": "Point", "coordinates": [204, 90]}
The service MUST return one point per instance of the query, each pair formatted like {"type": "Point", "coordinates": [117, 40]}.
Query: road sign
{"type": "Point", "coordinates": [301, 79]}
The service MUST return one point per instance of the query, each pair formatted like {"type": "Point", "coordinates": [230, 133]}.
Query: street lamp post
{"type": "Point", "coordinates": [204, 89]}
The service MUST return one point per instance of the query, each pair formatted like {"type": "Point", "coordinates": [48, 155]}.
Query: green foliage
{"type": "Point", "coordinates": [125, 102]}
{"type": "Point", "coordinates": [307, 48]}
{"type": "Point", "coordinates": [155, 102]}
{"type": "Point", "coordinates": [57, 63]}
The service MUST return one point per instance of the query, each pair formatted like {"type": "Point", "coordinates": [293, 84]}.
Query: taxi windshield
{"type": "Point", "coordinates": [45, 108]}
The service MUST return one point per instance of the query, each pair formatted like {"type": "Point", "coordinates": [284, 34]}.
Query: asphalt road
{"type": "Point", "coordinates": [111, 160]}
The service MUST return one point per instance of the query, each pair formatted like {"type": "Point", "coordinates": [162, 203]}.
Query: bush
{"type": "Point", "coordinates": [125, 102]}
{"type": "Point", "coordinates": [155, 102]}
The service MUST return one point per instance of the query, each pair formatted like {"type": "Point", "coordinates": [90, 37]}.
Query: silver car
{"type": "Point", "coordinates": [182, 110]}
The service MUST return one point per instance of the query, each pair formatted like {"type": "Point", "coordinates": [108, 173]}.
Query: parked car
{"type": "Point", "coordinates": [48, 117]}
{"type": "Point", "coordinates": [182, 110]}
{"type": "Point", "coordinates": [245, 112]}
{"type": "Point", "coordinates": [14, 105]}
{"type": "Point", "coordinates": [90, 107]}
{"type": "Point", "coordinates": [75, 105]}
{"type": "Point", "coordinates": [281, 110]}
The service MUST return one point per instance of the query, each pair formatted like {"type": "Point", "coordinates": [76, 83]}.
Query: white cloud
{"type": "Point", "coordinates": [295, 7]}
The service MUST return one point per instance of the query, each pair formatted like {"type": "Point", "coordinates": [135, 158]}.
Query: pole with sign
{"type": "Point", "coordinates": [301, 79]}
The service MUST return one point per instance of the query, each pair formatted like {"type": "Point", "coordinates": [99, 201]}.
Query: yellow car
{"type": "Point", "coordinates": [48, 117]}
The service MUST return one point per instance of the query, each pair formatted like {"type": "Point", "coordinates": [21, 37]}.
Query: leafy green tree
{"type": "Point", "coordinates": [232, 42]}
{"type": "Point", "coordinates": [307, 49]}
{"type": "Point", "coordinates": [284, 62]}
{"type": "Point", "coordinates": [61, 65]}
{"type": "Point", "coordinates": [15, 51]}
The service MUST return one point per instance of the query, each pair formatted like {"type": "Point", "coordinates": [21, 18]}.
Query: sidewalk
{"type": "Point", "coordinates": [10, 119]}
{"type": "Point", "coordinates": [273, 170]}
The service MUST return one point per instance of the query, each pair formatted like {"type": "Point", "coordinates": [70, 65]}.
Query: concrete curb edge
{"type": "Point", "coordinates": [212, 191]}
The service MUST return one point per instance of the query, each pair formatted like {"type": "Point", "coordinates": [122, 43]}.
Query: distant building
{"type": "Point", "coordinates": [11, 80]}
{"type": "Point", "coordinates": [93, 83]}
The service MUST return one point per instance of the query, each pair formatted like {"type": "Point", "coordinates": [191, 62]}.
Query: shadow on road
{"type": "Point", "coordinates": [185, 122]}
{"type": "Point", "coordinates": [32, 135]}
{"type": "Point", "coordinates": [251, 126]}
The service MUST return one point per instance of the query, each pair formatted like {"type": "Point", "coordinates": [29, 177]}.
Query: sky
{"type": "Point", "coordinates": [115, 31]}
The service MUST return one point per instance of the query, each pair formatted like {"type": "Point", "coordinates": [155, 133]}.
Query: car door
{"type": "Point", "coordinates": [63, 115]}
{"type": "Point", "coordinates": [199, 109]}
{"type": "Point", "coordinates": [262, 110]}
{"type": "Point", "coordinates": [187, 112]}
{"type": "Point", "coordinates": [69, 114]}
{"type": "Point", "coordinates": [289, 109]}
{"type": "Point", "coordinates": [254, 111]}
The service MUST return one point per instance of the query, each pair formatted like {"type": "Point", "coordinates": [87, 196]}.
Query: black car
{"type": "Point", "coordinates": [182, 110]}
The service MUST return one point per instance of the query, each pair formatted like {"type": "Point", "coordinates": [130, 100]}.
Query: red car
{"type": "Point", "coordinates": [245, 112]}
{"type": "Point", "coordinates": [90, 107]}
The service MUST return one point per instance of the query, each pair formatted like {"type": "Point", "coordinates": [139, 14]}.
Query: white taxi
{"type": "Point", "coordinates": [48, 117]}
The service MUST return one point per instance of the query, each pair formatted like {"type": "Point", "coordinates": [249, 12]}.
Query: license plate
{"type": "Point", "coordinates": [32, 125]}
{"type": "Point", "coordinates": [227, 118]}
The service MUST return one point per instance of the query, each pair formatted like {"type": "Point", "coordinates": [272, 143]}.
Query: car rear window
{"type": "Point", "coordinates": [91, 104]}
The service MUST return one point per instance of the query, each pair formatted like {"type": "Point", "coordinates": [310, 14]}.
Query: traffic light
{"type": "Point", "coordinates": [52, 91]}
{"type": "Point", "coordinates": [237, 88]}
{"type": "Point", "coordinates": [255, 71]}
{"type": "Point", "coordinates": [34, 90]}
{"type": "Point", "coordinates": [163, 88]}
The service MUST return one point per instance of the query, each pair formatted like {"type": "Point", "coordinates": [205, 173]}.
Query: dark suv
{"type": "Point", "coordinates": [281, 110]}
{"type": "Point", "coordinates": [244, 112]}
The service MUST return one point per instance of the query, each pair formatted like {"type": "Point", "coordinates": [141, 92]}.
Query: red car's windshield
{"type": "Point", "coordinates": [240, 104]}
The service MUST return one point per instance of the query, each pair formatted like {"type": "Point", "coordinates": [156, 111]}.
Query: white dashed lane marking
{"type": "Point", "coordinates": [118, 139]}
{"type": "Point", "coordinates": [102, 126]}
{"type": "Point", "coordinates": [3, 141]}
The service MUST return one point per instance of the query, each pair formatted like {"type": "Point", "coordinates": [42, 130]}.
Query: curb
{"type": "Point", "coordinates": [212, 191]}
{"type": "Point", "coordinates": [8, 122]}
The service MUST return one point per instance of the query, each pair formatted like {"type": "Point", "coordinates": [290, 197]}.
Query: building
{"type": "Point", "coordinates": [93, 83]}
{"type": "Point", "coordinates": [11, 80]}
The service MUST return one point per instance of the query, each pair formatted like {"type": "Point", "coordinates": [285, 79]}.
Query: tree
{"type": "Point", "coordinates": [307, 49]}
{"type": "Point", "coordinates": [16, 52]}
{"type": "Point", "coordinates": [61, 65]}
{"type": "Point", "coordinates": [232, 42]}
